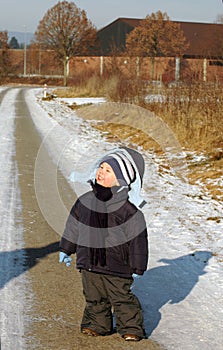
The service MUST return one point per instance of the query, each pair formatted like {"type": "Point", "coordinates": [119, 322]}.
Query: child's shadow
{"type": "Point", "coordinates": [169, 283]}
{"type": "Point", "coordinates": [16, 262]}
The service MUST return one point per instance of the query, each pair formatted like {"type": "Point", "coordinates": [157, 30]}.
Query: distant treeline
{"type": "Point", "coordinates": [17, 40]}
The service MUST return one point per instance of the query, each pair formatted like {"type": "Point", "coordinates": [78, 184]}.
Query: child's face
{"type": "Point", "coordinates": [105, 176]}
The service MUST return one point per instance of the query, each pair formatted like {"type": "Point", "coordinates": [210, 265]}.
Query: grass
{"type": "Point", "coordinates": [92, 87]}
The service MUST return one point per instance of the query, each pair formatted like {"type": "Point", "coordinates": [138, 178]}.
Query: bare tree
{"type": "Point", "coordinates": [156, 36]}
{"type": "Point", "coordinates": [66, 30]}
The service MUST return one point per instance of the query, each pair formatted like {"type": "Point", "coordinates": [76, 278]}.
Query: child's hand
{"type": "Point", "coordinates": [134, 275]}
{"type": "Point", "coordinates": [65, 258]}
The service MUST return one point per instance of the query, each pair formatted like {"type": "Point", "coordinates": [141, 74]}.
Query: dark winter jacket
{"type": "Point", "coordinates": [107, 233]}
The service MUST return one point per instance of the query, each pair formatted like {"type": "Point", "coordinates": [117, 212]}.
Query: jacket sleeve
{"type": "Point", "coordinates": [139, 253]}
{"type": "Point", "coordinates": [68, 243]}
{"type": "Point", "coordinates": [138, 245]}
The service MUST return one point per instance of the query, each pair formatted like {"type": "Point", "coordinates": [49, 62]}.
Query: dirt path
{"type": "Point", "coordinates": [58, 302]}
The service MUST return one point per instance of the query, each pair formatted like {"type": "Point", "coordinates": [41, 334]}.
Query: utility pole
{"type": "Point", "coordinates": [24, 70]}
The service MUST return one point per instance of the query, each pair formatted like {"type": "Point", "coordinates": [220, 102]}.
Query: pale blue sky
{"type": "Point", "coordinates": [16, 15]}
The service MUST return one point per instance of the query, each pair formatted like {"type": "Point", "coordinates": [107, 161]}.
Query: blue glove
{"type": "Point", "coordinates": [134, 275]}
{"type": "Point", "coordinates": [65, 258]}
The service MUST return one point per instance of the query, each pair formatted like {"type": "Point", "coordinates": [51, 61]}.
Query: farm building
{"type": "Point", "coordinates": [202, 59]}
{"type": "Point", "coordinates": [205, 39]}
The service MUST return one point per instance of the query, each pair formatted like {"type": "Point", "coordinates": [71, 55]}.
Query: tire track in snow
{"type": "Point", "coordinates": [12, 281]}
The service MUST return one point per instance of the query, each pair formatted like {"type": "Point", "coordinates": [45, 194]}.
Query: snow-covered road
{"type": "Point", "coordinates": [12, 279]}
{"type": "Point", "coordinates": [181, 293]}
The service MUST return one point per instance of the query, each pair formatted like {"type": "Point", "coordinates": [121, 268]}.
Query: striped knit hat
{"type": "Point", "coordinates": [122, 167]}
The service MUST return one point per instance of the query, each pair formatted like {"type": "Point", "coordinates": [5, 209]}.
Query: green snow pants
{"type": "Point", "coordinates": [104, 292]}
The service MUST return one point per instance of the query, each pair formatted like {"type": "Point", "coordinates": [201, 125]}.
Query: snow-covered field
{"type": "Point", "coordinates": [181, 293]}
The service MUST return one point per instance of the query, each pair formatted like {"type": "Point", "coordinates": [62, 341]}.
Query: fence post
{"type": "Point", "coordinates": [137, 67]}
{"type": "Point", "coordinates": [177, 69]}
{"type": "Point", "coordinates": [101, 65]}
{"type": "Point", "coordinates": [205, 69]}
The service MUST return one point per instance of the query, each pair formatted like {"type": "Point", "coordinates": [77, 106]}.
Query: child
{"type": "Point", "coordinates": [107, 231]}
